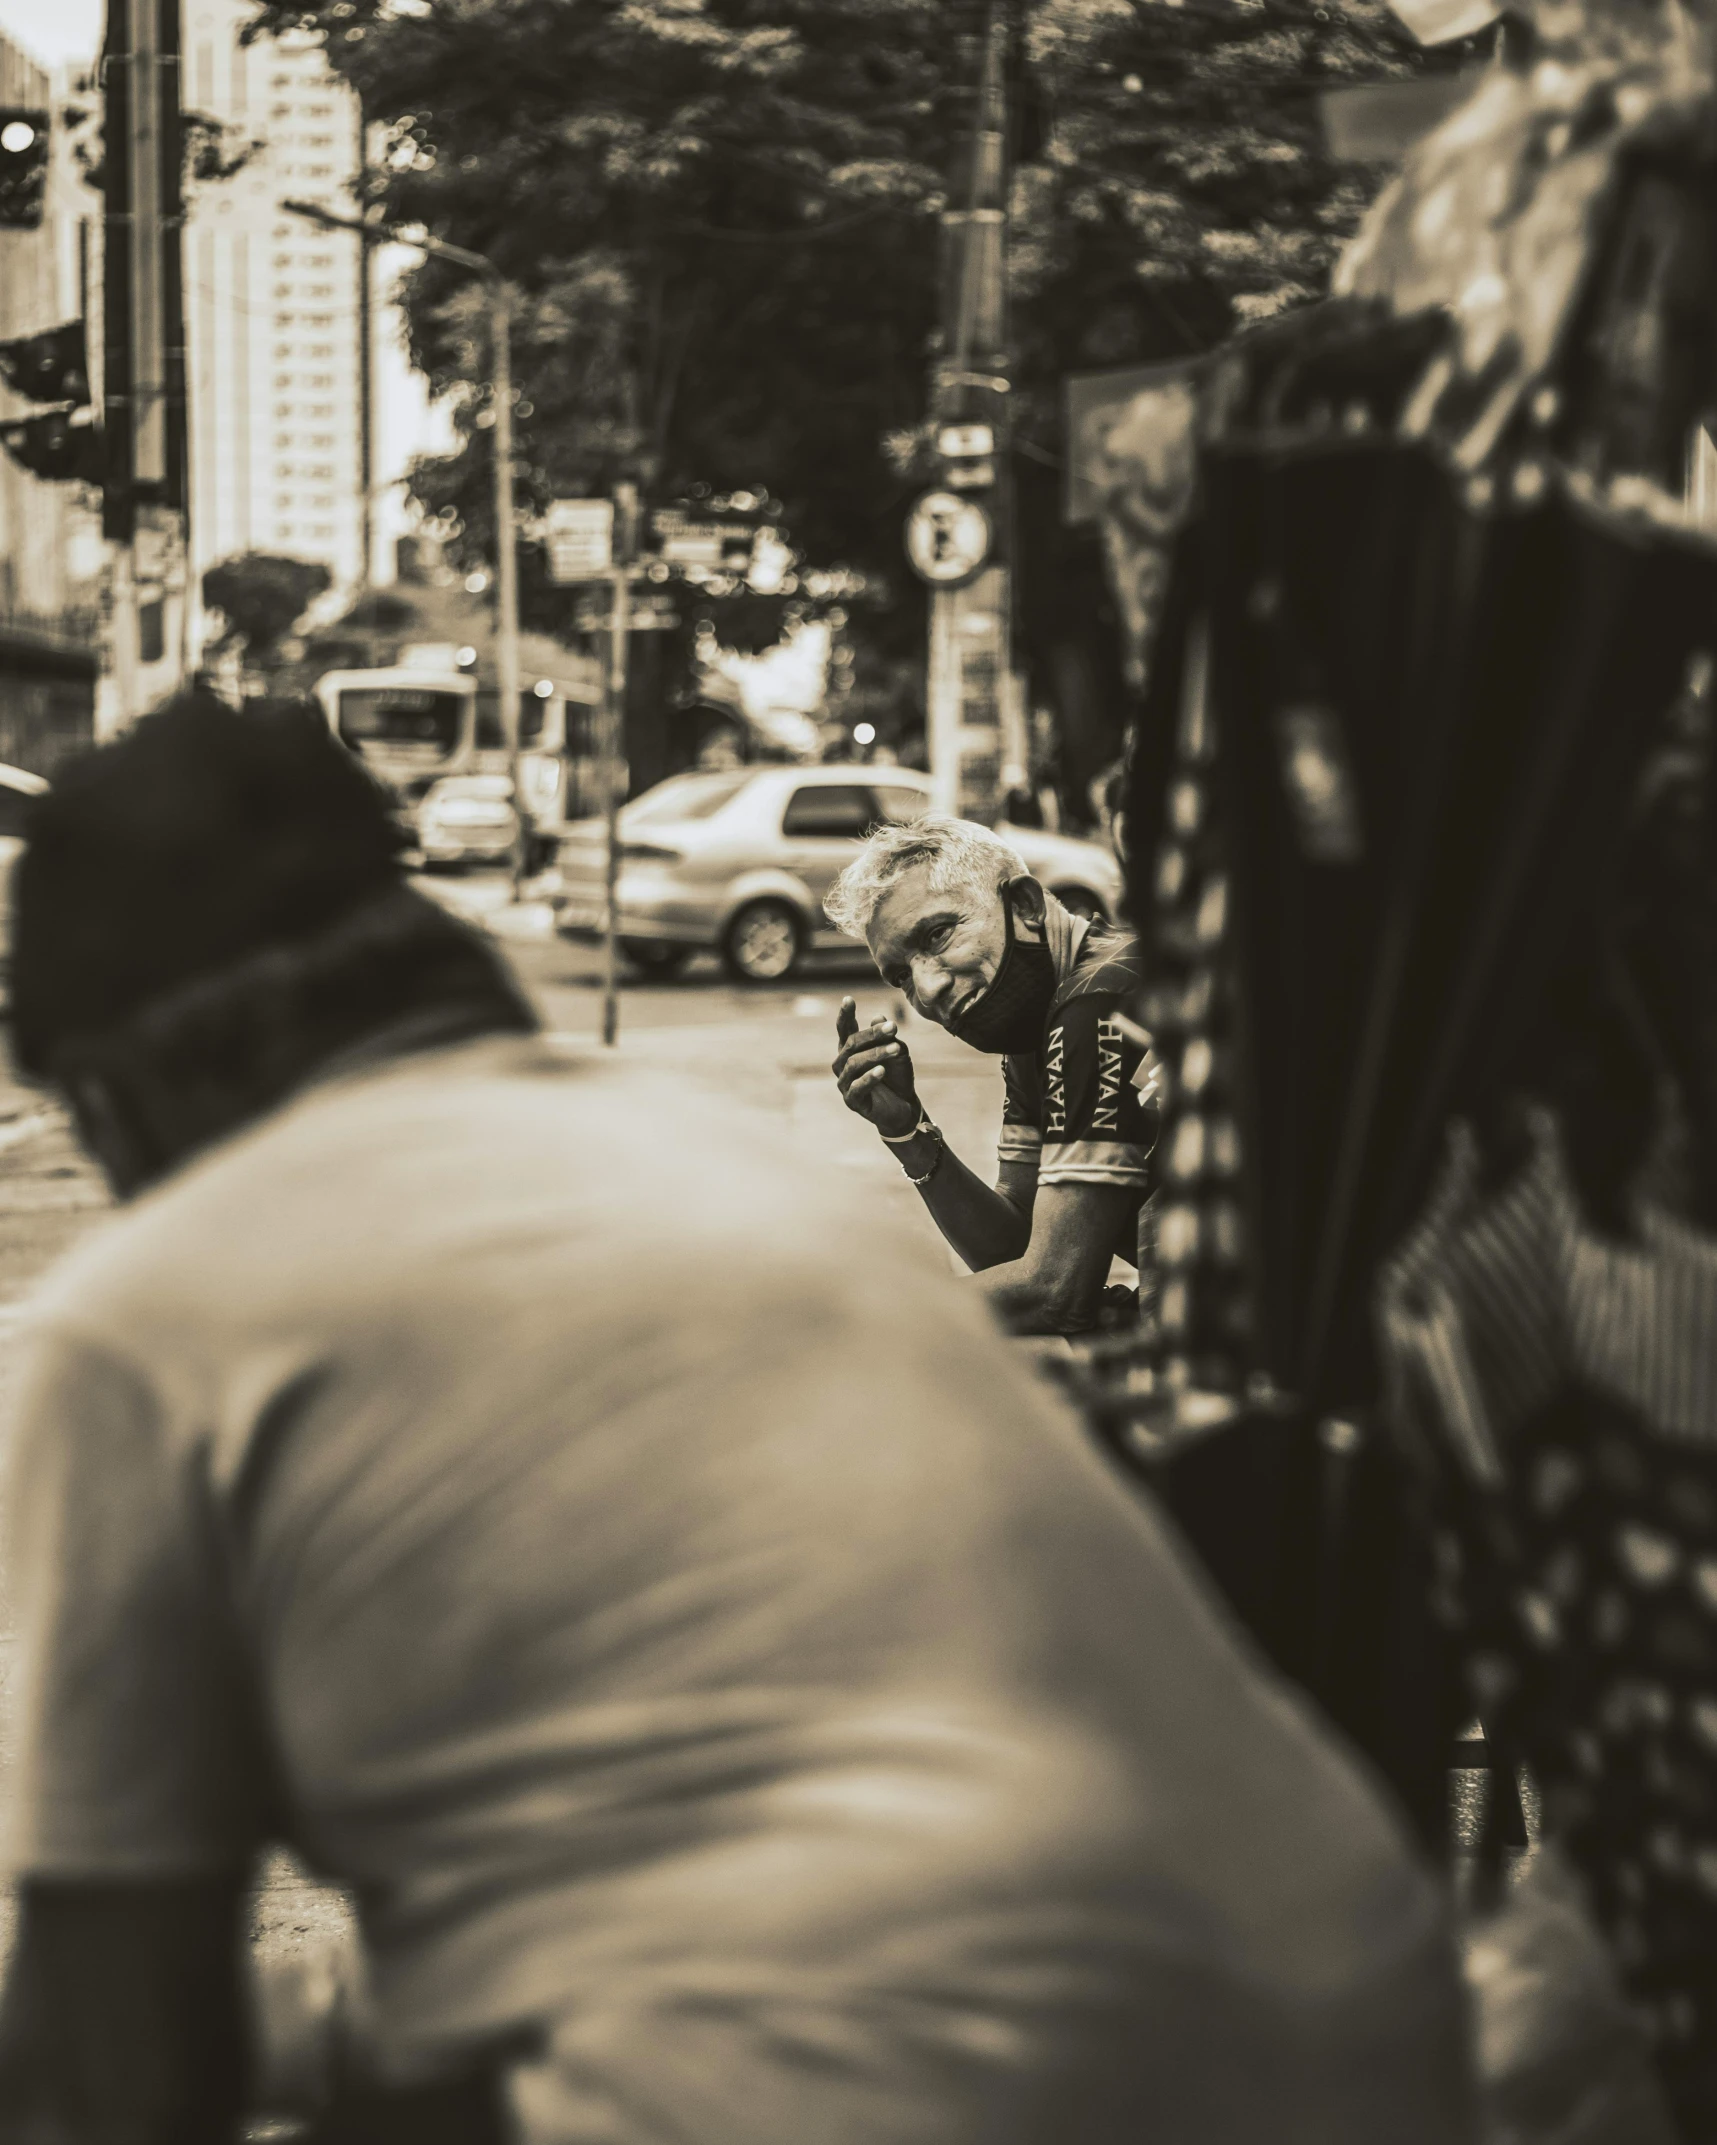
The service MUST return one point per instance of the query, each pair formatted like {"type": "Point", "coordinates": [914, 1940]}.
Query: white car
{"type": "Point", "coordinates": [738, 862]}
{"type": "Point", "coordinates": [467, 819]}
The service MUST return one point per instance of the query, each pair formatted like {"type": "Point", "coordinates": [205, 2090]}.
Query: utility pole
{"type": "Point", "coordinates": [366, 369]}
{"type": "Point", "coordinates": [507, 560]}
{"type": "Point", "coordinates": [960, 533]}
{"type": "Point", "coordinates": [143, 371]}
{"type": "Point", "coordinates": [614, 747]}
{"type": "Point", "coordinates": [506, 515]}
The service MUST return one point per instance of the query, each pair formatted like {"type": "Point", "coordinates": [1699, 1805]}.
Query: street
{"type": "Point", "coordinates": [767, 1045]}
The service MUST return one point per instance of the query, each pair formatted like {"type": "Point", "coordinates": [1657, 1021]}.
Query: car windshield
{"type": "Point", "coordinates": [686, 797]}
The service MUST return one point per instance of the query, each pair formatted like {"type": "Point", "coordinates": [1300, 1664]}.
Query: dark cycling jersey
{"type": "Point", "coordinates": [1082, 1108]}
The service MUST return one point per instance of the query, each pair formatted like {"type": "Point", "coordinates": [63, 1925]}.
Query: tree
{"type": "Point", "coordinates": [262, 597]}
{"type": "Point", "coordinates": [1181, 190]}
{"type": "Point", "coordinates": [720, 217]}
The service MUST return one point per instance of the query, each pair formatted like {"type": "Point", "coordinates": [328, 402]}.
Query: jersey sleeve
{"type": "Point", "coordinates": [135, 1757]}
{"type": "Point", "coordinates": [1021, 1140]}
{"type": "Point", "coordinates": [1099, 1099]}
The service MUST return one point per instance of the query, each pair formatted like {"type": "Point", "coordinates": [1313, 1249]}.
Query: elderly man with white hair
{"type": "Point", "coordinates": [956, 923]}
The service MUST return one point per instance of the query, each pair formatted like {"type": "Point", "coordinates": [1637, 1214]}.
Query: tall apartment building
{"type": "Point", "coordinates": [51, 556]}
{"type": "Point", "coordinates": [272, 305]}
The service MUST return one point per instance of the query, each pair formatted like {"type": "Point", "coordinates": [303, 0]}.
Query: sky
{"type": "Point", "coordinates": [54, 31]}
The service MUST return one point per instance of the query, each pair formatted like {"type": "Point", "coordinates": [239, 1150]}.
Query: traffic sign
{"type": "Point", "coordinates": [580, 535]}
{"type": "Point", "coordinates": [948, 538]}
{"type": "Point", "coordinates": [681, 541]}
{"type": "Point", "coordinates": [958, 440]}
{"type": "Point", "coordinates": [649, 613]}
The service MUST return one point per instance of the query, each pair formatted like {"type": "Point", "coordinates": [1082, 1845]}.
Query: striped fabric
{"type": "Point", "coordinates": [1558, 1390]}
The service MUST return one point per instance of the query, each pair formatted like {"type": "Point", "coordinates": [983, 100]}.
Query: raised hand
{"type": "Point", "coordinates": [873, 1069]}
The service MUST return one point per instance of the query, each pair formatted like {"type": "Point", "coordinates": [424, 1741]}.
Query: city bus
{"type": "Point", "coordinates": [410, 726]}
{"type": "Point", "coordinates": [413, 723]}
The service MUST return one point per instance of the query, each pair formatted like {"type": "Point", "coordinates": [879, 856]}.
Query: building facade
{"type": "Point", "coordinates": [51, 555]}
{"type": "Point", "coordinates": [274, 316]}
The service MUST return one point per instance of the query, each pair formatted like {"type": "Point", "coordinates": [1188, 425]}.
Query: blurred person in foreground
{"type": "Point", "coordinates": [742, 1707]}
{"type": "Point", "coordinates": [956, 923]}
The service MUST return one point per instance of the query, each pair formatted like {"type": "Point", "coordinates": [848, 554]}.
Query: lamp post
{"type": "Point", "coordinates": [506, 525]}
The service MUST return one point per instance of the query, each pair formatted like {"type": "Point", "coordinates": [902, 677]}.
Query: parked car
{"type": "Point", "coordinates": [17, 787]}
{"type": "Point", "coordinates": [738, 862]}
{"type": "Point", "coordinates": [467, 819]}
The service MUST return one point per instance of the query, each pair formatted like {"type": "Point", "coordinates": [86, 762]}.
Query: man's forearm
{"type": "Point", "coordinates": [1057, 1286]}
{"type": "Point", "coordinates": [1027, 1301]}
{"type": "Point", "coordinates": [983, 1225]}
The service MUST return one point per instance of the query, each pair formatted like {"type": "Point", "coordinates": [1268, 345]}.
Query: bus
{"type": "Point", "coordinates": [413, 723]}
{"type": "Point", "coordinates": [408, 726]}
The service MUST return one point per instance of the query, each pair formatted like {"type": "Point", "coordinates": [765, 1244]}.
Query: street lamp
{"type": "Point", "coordinates": [506, 522]}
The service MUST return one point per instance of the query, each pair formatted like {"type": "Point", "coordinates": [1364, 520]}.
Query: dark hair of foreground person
{"type": "Point", "coordinates": [210, 909]}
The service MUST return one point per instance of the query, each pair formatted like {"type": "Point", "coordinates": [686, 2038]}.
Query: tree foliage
{"type": "Point", "coordinates": [720, 218]}
{"type": "Point", "coordinates": [262, 597]}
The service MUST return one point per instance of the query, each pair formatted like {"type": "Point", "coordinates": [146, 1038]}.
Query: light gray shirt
{"type": "Point", "coordinates": [641, 1575]}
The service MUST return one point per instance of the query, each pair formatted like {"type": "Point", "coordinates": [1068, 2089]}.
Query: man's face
{"type": "Point", "coordinates": [939, 948]}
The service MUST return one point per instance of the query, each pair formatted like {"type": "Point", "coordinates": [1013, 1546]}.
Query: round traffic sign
{"type": "Point", "coordinates": [948, 538]}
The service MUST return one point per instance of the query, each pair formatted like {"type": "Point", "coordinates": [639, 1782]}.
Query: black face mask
{"type": "Point", "coordinates": [1009, 1013]}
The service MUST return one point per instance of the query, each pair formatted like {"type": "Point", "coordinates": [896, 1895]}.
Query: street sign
{"type": "Point", "coordinates": [681, 541]}
{"type": "Point", "coordinates": [958, 440]}
{"type": "Point", "coordinates": [580, 535]}
{"type": "Point", "coordinates": [948, 538]}
{"type": "Point", "coordinates": [648, 613]}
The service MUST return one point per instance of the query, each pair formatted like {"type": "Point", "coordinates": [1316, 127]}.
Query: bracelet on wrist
{"type": "Point", "coordinates": [902, 1139]}
{"type": "Point", "coordinates": [940, 1147]}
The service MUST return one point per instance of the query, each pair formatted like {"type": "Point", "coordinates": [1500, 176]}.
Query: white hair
{"type": "Point", "coordinates": [963, 857]}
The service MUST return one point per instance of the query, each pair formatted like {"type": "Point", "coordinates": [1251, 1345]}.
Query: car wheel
{"type": "Point", "coordinates": [763, 942]}
{"type": "Point", "coordinates": [1080, 901]}
{"type": "Point", "coordinates": [653, 959]}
